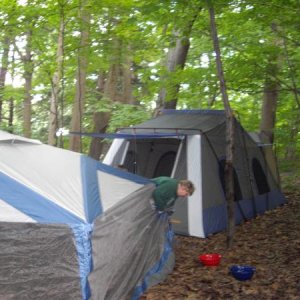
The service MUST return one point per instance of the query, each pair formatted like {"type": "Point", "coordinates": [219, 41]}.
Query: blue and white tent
{"type": "Point", "coordinates": [73, 228]}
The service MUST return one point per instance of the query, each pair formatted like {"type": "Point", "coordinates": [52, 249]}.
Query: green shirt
{"type": "Point", "coordinates": [165, 193]}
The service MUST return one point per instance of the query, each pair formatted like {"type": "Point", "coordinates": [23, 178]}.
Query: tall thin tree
{"type": "Point", "coordinates": [78, 107]}
{"type": "Point", "coordinates": [3, 69]}
{"type": "Point", "coordinates": [229, 182]}
{"type": "Point", "coordinates": [28, 76]}
{"type": "Point", "coordinates": [56, 81]}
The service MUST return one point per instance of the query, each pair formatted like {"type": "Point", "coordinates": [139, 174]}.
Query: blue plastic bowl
{"type": "Point", "coordinates": [242, 273]}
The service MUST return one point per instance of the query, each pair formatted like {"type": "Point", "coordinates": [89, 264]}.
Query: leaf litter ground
{"type": "Point", "coordinates": [270, 243]}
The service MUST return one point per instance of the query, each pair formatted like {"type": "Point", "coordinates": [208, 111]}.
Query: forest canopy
{"type": "Point", "coordinates": [95, 66]}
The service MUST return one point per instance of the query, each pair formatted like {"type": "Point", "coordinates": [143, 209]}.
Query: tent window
{"type": "Point", "coordinates": [260, 177]}
{"type": "Point", "coordinates": [237, 189]}
{"type": "Point", "coordinates": [165, 164]}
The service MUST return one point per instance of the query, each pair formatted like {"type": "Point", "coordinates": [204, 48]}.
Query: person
{"type": "Point", "coordinates": [168, 190]}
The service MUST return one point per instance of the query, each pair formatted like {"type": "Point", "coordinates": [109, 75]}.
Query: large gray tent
{"type": "Point", "coordinates": [74, 228]}
{"type": "Point", "coordinates": [191, 144]}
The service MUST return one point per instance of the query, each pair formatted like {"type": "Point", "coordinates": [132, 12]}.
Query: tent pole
{"type": "Point", "coordinates": [177, 157]}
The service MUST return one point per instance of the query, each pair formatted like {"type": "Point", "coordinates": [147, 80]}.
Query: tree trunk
{"type": "Point", "coordinates": [56, 80]}
{"type": "Point", "coordinates": [99, 125]}
{"type": "Point", "coordinates": [270, 97]}
{"type": "Point", "coordinates": [11, 114]}
{"type": "Point", "coordinates": [28, 66]}
{"type": "Point", "coordinates": [3, 70]}
{"type": "Point", "coordinates": [268, 115]}
{"type": "Point", "coordinates": [229, 182]}
{"type": "Point", "coordinates": [100, 85]}
{"type": "Point", "coordinates": [269, 106]}
{"type": "Point", "coordinates": [101, 120]}
{"type": "Point", "coordinates": [78, 107]}
{"type": "Point", "coordinates": [176, 59]}
{"type": "Point", "coordinates": [118, 86]}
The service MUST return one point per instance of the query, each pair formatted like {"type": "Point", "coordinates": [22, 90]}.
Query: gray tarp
{"type": "Point", "coordinates": [38, 262]}
{"type": "Point", "coordinates": [130, 249]}
{"type": "Point", "coordinates": [127, 242]}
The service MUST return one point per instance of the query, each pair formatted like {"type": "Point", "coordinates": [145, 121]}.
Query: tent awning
{"type": "Point", "coordinates": [129, 135]}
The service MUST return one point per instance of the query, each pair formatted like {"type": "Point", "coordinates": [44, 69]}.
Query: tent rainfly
{"type": "Point", "coordinates": [191, 144]}
{"type": "Point", "coordinates": [74, 228]}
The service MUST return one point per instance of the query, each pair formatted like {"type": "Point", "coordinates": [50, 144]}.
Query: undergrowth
{"type": "Point", "coordinates": [290, 175]}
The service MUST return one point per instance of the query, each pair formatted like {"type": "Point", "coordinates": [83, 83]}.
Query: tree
{"type": "Point", "coordinates": [101, 121]}
{"type": "Point", "coordinates": [114, 86]}
{"type": "Point", "coordinates": [271, 91]}
{"type": "Point", "coordinates": [56, 80]}
{"type": "Point", "coordinates": [229, 182]}
{"type": "Point", "coordinates": [177, 55]}
{"type": "Point", "coordinates": [78, 107]}
{"type": "Point", "coordinates": [27, 41]}
{"type": "Point", "coordinates": [28, 73]}
{"type": "Point", "coordinates": [145, 50]}
{"type": "Point", "coordinates": [3, 69]}
{"type": "Point", "coordinates": [6, 42]}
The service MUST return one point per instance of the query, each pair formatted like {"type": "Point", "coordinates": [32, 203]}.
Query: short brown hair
{"type": "Point", "coordinates": [188, 185]}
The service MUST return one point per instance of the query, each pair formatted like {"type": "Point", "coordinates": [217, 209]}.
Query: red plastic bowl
{"type": "Point", "coordinates": [212, 259]}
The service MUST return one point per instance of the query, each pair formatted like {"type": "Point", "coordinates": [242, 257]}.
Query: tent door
{"type": "Point", "coordinates": [152, 157]}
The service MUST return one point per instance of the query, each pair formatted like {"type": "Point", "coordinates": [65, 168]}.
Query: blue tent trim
{"type": "Point", "coordinates": [82, 234]}
{"type": "Point", "coordinates": [91, 193]}
{"type": "Point", "coordinates": [33, 204]}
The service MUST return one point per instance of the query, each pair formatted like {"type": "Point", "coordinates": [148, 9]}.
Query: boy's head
{"type": "Point", "coordinates": [185, 188]}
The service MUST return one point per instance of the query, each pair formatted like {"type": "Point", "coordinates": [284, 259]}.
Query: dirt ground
{"type": "Point", "coordinates": [271, 243]}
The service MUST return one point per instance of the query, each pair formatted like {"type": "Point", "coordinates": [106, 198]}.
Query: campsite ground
{"type": "Point", "coordinates": [271, 243]}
